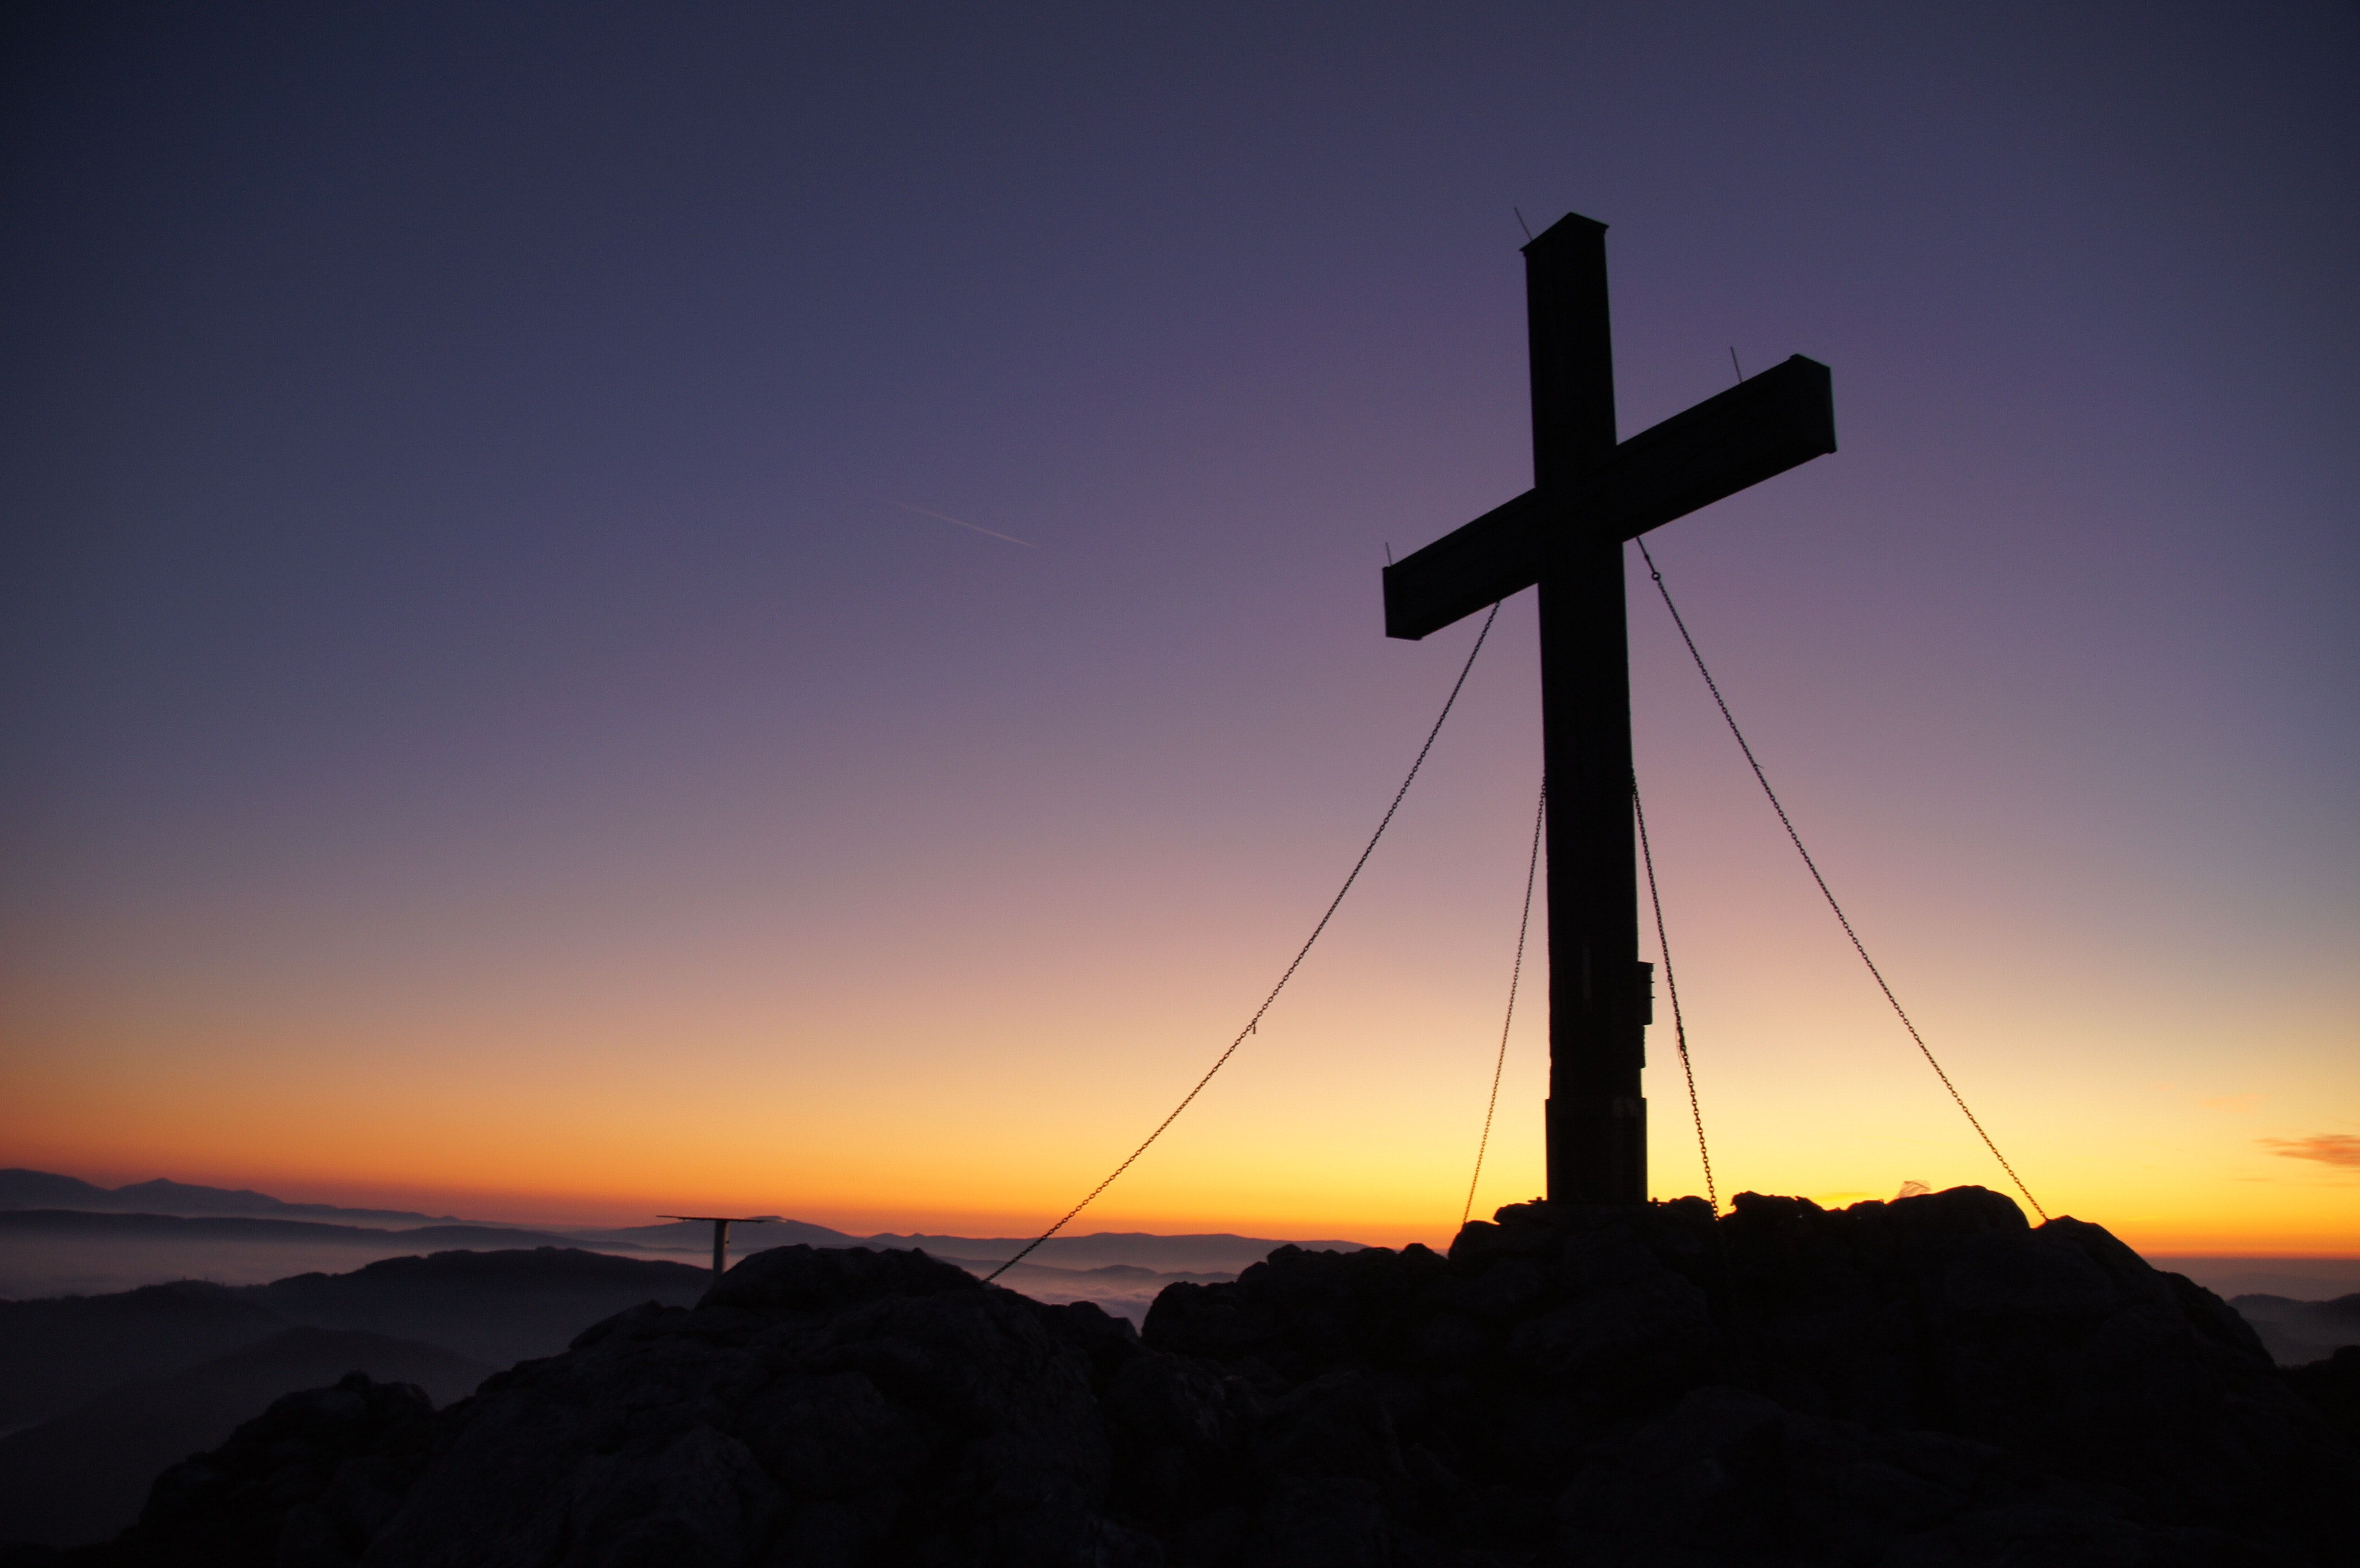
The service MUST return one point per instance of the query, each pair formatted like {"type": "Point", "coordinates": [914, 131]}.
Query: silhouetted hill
{"type": "Point", "coordinates": [1223, 1254]}
{"type": "Point", "coordinates": [21, 1189]}
{"type": "Point", "coordinates": [490, 1307]}
{"type": "Point", "coordinates": [2295, 1332]}
{"type": "Point", "coordinates": [60, 1233]}
{"type": "Point", "coordinates": [30, 1223]}
{"type": "Point", "coordinates": [694, 1236]}
{"type": "Point", "coordinates": [2333, 1384]}
{"type": "Point", "coordinates": [1928, 1382]}
{"type": "Point", "coordinates": [83, 1475]}
{"type": "Point", "coordinates": [55, 1353]}
{"type": "Point", "coordinates": [59, 1251]}
{"type": "Point", "coordinates": [1215, 1254]}
{"type": "Point", "coordinates": [497, 1307]}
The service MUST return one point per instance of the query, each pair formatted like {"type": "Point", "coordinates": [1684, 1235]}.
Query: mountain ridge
{"type": "Point", "coordinates": [259, 1227]}
{"type": "Point", "coordinates": [26, 1189]}
{"type": "Point", "coordinates": [1931, 1381]}
{"type": "Point", "coordinates": [243, 1214]}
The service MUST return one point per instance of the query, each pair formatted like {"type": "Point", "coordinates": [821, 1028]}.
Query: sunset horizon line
{"type": "Point", "coordinates": [572, 1210]}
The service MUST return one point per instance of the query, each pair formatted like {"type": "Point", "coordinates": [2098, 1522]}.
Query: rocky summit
{"type": "Point", "coordinates": [1920, 1384]}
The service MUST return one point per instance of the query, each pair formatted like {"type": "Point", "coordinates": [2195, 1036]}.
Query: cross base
{"type": "Point", "coordinates": [1597, 1150]}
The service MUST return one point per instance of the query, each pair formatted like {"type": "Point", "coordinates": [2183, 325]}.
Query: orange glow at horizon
{"type": "Point", "coordinates": [1343, 1119]}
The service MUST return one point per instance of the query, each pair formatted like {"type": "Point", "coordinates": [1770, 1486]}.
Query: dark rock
{"type": "Point", "coordinates": [845, 1405]}
{"type": "Point", "coordinates": [1110, 1341]}
{"type": "Point", "coordinates": [305, 1484]}
{"type": "Point", "coordinates": [2332, 1387]}
{"type": "Point", "coordinates": [1626, 1339]}
{"type": "Point", "coordinates": [499, 1307]}
{"type": "Point", "coordinates": [493, 1308]}
{"type": "Point", "coordinates": [1929, 1383]}
{"type": "Point", "coordinates": [1336, 1425]}
{"type": "Point", "coordinates": [83, 1475]}
{"type": "Point", "coordinates": [818, 1279]}
{"type": "Point", "coordinates": [1320, 1521]}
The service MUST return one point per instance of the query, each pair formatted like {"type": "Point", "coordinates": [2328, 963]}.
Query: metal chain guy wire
{"type": "Point", "coordinates": [1524, 926]}
{"type": "Point", "coordinates": [1714, 686]}
{"type": "Point", "coordinates": [1254, 1024]}
{"type": "Point", "coordinates": [1672, 985]}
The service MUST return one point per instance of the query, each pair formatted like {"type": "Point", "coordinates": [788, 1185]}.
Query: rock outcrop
{"type": "Point", "coordinates": [312, 1480]}
{"type": "Point", "coordinates": [84, 1474]}
{"type": "Point", "coordinates": [1918, 1384]}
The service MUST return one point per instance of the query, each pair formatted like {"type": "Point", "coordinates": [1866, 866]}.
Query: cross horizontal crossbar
{"type": "Point", "coordinates": [1780, 418]}
{"type": "Point", "coordinates": [723, 1219]}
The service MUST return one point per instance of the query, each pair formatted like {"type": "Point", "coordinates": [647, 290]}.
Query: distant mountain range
{"type": "Point", "coordinates": [240, 1216]}
{"type": "Point", "coordinates": [98, 1393]}
{"type": "Point", "coordinates": [1220, 1253]}
{"type": "Point", "coordinates": [2299, 1333]}
{"type": "Point", "coordinates": [490, 1307]}
{"type": "Point", "coordinates": [28, 1223]}
{"type": "Point", "coordinates": [21, 1189]}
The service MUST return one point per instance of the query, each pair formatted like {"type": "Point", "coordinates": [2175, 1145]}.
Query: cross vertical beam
{"type": "Point", "coordinates": [1596, 1120]}
{"type": "Point", "coordinates": [721, 1223]}
{"type": "Point", "coordinates": [1566, 535]}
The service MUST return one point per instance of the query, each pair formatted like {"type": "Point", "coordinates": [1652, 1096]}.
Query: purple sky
{"type": "Point", "coordinates": [479, 614]}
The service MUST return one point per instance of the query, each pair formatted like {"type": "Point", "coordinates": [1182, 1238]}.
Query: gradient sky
{"type": "Point", "coordinates": [501, 716]}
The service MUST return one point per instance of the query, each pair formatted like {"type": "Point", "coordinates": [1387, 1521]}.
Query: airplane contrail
{"type": "Point", "coordinates": [979, 527]}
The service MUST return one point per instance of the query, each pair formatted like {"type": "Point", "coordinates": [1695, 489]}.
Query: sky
{"type": "Point", "coordinates": [615, 609]}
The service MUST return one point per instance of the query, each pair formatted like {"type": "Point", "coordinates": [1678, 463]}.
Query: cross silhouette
{"type": "Point", "coordinates": [721, 1223]}
{"type": "Point", "coordinates": [1566, 534]}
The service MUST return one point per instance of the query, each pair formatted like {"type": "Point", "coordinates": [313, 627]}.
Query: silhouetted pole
{"type": "Point", "coordinates": [1595, 1120]}
{"type": "Point", "coordinates": [721, 1234]}
{"type": "Point", "coordinates": [1566, 534]}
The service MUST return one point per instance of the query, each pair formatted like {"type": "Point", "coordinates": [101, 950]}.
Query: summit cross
{"type": "Point", "coordinates": [1566, 534]}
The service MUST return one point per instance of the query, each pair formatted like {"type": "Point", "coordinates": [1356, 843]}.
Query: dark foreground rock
{"type": "Point", "coordinates": [311, 1481]}
{"type": "Point", "coordinates": [83, 1475]}
{"type": "Point", "coordinates": [1920, 1384]}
